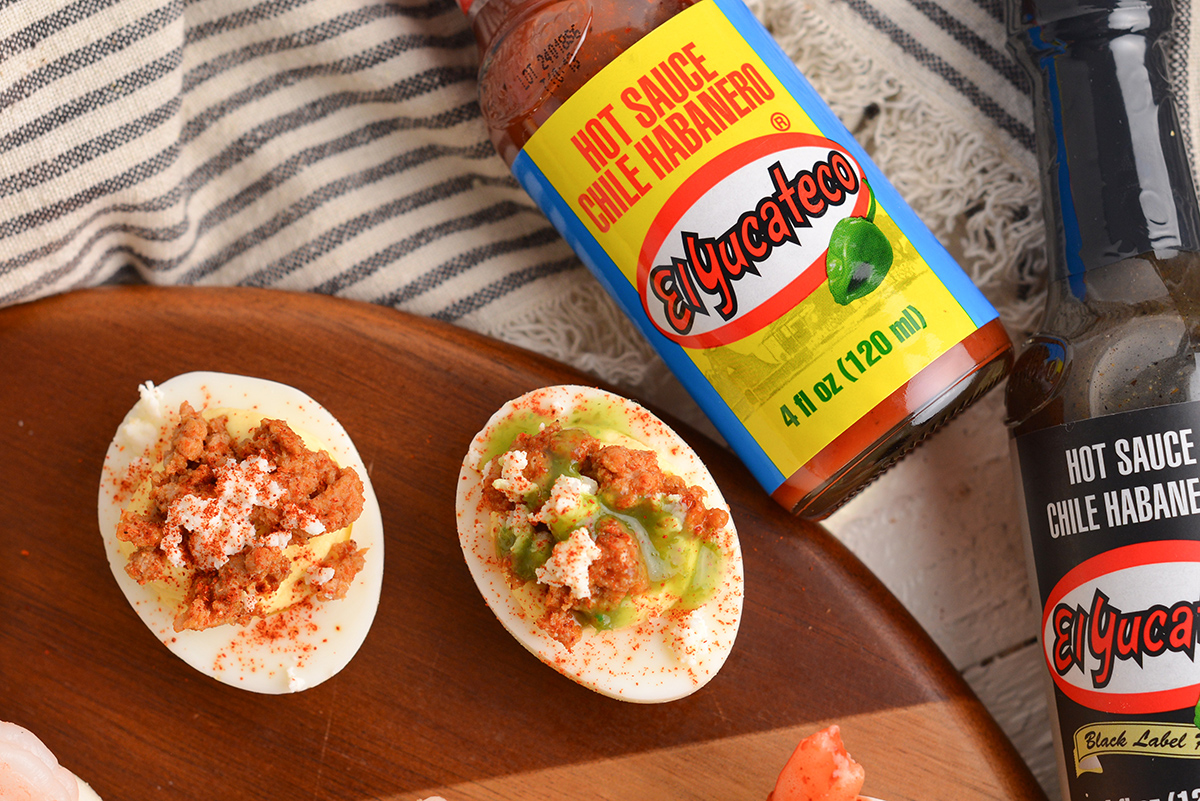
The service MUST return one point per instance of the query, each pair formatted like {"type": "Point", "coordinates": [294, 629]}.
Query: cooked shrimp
{"type": "Point", "coordinates": [29, 772]}
{"type": "Point", "coordinates": [820, 770]}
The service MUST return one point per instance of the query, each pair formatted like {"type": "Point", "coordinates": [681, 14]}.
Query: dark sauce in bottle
{"type": "Point", "coordinates": [1102, 403]}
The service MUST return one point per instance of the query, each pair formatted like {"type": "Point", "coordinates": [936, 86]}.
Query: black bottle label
{"type": "Point", "coordinates": [1113, 506]}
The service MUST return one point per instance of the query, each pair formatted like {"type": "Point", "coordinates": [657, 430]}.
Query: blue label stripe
{"type": "Point", "coordinates": [577, 235]}
{"type": "Point", "coordinates": [1072, 236]}
{"type": "Point", "coordinates": [610, 276]}
{"type": "Point", "coordinates": [943, 265]}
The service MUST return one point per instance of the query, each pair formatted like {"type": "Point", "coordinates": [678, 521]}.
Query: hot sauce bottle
{"type": "Point", "coordinates": [1104, 402]}
{"type": "Point", "coordinates": [813, 317]}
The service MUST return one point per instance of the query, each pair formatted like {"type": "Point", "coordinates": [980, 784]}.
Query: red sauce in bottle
{"type": "Point", "coordinates": [537, 54]}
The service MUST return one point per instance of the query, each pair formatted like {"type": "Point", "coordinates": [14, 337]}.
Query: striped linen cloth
{"type": "Point", "coordinates": [336, 146]}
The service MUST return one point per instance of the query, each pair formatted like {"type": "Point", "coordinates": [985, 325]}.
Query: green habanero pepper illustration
{"type": "Point", "coordinates": [859, 257]}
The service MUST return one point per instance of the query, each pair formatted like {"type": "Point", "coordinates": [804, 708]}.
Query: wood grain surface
{"type": "Point", "coordinates": [440, 698]}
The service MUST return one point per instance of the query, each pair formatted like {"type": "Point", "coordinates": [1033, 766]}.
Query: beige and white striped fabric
{"type": "Point", "coordinates": [324, 146]}
{"type": "Point", "coordinates": [335, 146]}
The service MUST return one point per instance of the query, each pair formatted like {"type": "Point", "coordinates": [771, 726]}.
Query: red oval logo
{"type": "Point", "coordinates": [1119, 631]}
{"type": "Point", "coordinates": [743, 240]}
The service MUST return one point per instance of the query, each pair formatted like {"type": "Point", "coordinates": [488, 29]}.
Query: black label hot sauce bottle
{"type": "Point", "coordinates": [1104, 403]}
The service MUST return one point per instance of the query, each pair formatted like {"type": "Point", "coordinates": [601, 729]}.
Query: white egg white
{"type": "Point", "coordinates": [654, 660]}
{"type": "Point", "coordinates": [290, 650]}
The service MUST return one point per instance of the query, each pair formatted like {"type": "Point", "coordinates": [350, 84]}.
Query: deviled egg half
{"type": "Point", "coordinates": [240, 523]}
{"type": "Point", "coordinates": [601, 542]}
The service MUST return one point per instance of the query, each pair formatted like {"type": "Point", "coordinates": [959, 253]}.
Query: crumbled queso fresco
{"type": "Point", "coordinates": [221, 526]}
{"type": "Point", "coordinates": [569, 562]}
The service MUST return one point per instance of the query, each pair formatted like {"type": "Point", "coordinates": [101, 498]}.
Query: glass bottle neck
{"type": "Point", "coordinates": [489, 18]}
{"type": "Point", "coordinates": [1115, 172]}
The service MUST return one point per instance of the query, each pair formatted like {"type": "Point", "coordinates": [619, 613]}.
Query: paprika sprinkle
{"type": "Point", "coordinates": [814, 318]}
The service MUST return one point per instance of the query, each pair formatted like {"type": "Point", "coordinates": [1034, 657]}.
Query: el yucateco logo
{"type": "Point", "coordinates": [1120, 630]}
{"type": "Point", "coordinates": [714, 268]}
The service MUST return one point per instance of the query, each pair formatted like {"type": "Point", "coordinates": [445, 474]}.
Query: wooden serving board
{"type": "Point", "coordinates": [440, 699]}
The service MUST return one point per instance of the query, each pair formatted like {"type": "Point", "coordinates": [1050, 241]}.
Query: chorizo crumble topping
{"type": "Point", "coordinates": [599, 563]}
{"type": "Point", "coordinates": [223, 512]}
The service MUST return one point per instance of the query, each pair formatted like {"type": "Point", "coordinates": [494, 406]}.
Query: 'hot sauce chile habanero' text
{"type": "Point", "coordinates": [814, 318]}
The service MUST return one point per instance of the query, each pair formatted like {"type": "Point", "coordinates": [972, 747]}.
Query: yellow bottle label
{"type": "Point", "coordinates": [737, 220]}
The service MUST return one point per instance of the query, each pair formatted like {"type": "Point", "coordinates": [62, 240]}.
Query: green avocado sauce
{"type": "Point", "coordinates": [680, 566]}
